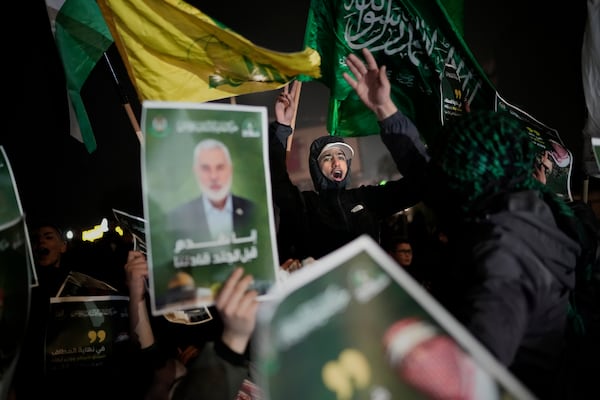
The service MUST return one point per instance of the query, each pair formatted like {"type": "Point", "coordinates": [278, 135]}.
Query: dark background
{"type": "Point", "coordinates": [532, 50]}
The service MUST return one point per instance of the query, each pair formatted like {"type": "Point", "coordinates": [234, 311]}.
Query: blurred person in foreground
{"type": "Point", "coordinates": [513, 243]}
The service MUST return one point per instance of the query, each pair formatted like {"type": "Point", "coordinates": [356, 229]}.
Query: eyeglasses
{"type": "Point", "coordinates": [403, 251]}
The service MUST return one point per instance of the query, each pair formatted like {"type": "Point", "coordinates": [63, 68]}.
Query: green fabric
{"type": "Point", "coordinates": [414, 39]}
{"type": "Point", "coordinates": [81, 37]}
{"type": "Point", "coordinates": [483, 154]}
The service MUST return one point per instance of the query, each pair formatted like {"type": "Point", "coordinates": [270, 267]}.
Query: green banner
{"type": "Point", "coordinates": [422, 48]}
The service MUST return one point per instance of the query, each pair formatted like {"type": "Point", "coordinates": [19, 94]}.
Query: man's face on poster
{"type": "Point", "coordinates": [214, 173]}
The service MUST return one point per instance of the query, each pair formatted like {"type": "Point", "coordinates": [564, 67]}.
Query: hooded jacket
{"type": "Point", "coordinates": [315, 223]}
{"type": "Point", "coordinates": [508, 282]}
{"type": "Point", "coordinates": [512, 245]}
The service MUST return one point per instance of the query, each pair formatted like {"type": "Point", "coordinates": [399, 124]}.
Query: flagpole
{"type": "Point", "coordinates": [296, 95]}
{"type": "Point", "coordinates": [125, 102]}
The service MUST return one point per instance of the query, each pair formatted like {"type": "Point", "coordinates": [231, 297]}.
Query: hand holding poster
{"type": "Point", "coordinates": [207, 200]}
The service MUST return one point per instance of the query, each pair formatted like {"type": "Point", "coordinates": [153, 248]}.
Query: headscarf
{"type": "Point", "coordinates": [321, 182]}
{"type": "Point", "coordinates": [480, 157]}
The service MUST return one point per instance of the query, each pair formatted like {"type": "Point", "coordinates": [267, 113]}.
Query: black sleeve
{"type": "Point", "coordinates": [217, 373]}
{"type": "Point", "coordinates": [288, 199]}
{"type": "Point", "coordinates": [404, 143]}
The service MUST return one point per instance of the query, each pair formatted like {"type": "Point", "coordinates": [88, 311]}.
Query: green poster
{"type": "Point", "coordinates": [353, 325]}
{"type": "Point", "coordinates": [10, 206]}
{"type": "Point", "coordinates": [596, 147]}
{"type": "Point", "coordinates": [14, 295]}
{"type": "Point", "coordinates": [207, 200]}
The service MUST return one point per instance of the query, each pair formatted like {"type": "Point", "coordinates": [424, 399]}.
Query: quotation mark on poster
{"type": "Point", "coordinates": [99, 335]}
{"type": "Point", "coordinates": [351, 370]}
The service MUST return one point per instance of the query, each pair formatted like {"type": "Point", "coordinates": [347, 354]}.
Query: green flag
{"type": "Point", "coordinates": [81, 37]}
{"type": "Point", "coordinates": [431, 69]}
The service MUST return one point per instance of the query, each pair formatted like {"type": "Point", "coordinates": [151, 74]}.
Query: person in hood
{"type": "Point", "coordinates": [315, 223]}
{"type": "Point", "coordinates": [513, 246]}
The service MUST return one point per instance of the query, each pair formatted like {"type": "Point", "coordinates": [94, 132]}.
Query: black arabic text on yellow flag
{"type": "Point", "coordinates": [174, 52]}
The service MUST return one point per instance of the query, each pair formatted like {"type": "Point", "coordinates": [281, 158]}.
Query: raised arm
{"type": "Point", "coordinates": [371, 84]}
{"type": "Point", "coordinates": [136, 272]}
{"type": "Point", "coordinates": [221, 368]}
{"type": "Point", "coordinates": [398, 132]}
{"type": "Point", "coordinates": [237, 306]}
{"type": "Point", "coordinates": [285, 109]}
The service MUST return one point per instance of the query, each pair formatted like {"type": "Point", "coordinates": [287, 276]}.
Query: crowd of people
{"type": "Point", "coordinates": [511, 249]}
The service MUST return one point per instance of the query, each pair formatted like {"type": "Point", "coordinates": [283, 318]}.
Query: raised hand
{"type": "Point", "coordinates": [136, 273]}
{"type": "Point", "coordinates": [285, 105]}
{"type": "Point", "coordinates": [371, 84]}
{"type": "Point", "coordinates": [238, 307]}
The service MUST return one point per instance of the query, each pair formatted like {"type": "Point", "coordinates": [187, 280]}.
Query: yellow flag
{"type": "Point", "coordinates": [174, 52]}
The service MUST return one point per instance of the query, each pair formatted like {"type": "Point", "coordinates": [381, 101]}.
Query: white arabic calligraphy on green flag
{"type": "Point", "coordinates": [421, 47]}
{"type": "Point", "coordinates": [81, 37]}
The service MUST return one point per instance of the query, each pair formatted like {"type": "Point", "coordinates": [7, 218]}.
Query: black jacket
{"type": "Point", "coordinates": [314, 223]}
{"type": "Point", "coordinates": [508, 282]}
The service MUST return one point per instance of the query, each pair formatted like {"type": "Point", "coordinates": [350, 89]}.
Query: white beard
{"type": "Point", "coordinates": [217, 195]}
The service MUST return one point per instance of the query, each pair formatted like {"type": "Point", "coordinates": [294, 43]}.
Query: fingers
{"type": "Point", "coordinates": [136, 265]}
{"type": "Point", "coordinates": [230, 283]}
{"type": "Point", "coordinates": [132, 255]}
{"type": "Point", "coordinates": [288, 95]}
{"type": "Point", "coordinates": [234, 289]}
{"type": "Point", "coordinates": [247, 303]}
{"type": "Point", "coordinates": [356, 66]}
{"type": "Point", "coordinates": [296, 89]}
{"type": "Point", "coordinates": [360, 69]}
{"type": "Point", "coordinates": [135, 258]}
{"type": "Point", "coordinates": [291, 265]}
{"type": "Point", "coordinates": [285, 98]}
{"type": "Point", "coordinates": [350, 80]}
{"type": "Point", "coordinates": [371, 63]}
{"type": "Point", "coordinates": [383, 74]}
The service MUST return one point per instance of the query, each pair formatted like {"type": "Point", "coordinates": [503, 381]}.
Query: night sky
{"type": "Point", "coordinates": [536, 46]}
